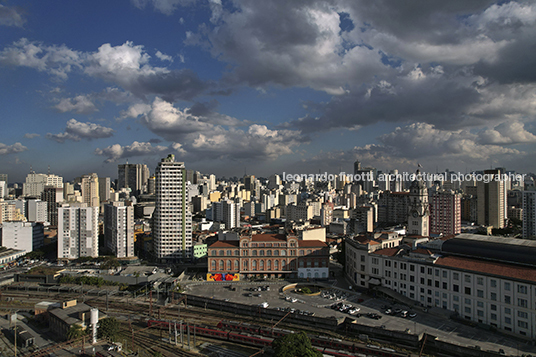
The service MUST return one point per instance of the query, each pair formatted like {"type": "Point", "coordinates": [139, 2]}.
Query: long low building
{"type": "Point", "coordinates": [487, 280]}
{"type": "Point", "coordinates": [270, 256]}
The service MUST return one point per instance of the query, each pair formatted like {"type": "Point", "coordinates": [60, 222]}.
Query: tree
{"type": "Point", "coordinates": [108, 328]}
{"type": "Point", "coordinates": [75, 331]}
{"type": "Point", "coordinates": [294, 345]}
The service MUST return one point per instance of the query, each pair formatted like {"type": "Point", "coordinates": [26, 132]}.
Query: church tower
{"type": "Point", "coordinates": [419, 209]}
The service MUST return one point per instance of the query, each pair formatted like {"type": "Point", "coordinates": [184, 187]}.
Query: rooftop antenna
{"type": "Point", "coordinates": [31, 169]}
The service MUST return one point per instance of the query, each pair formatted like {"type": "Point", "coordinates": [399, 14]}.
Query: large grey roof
{"type": "Point", "coordinates": [512, 250]}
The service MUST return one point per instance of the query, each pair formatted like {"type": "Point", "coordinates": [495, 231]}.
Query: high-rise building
{"type": "Point", "coordinates": [491, 197]}
{"type": "Point", "coordinates": [3, 177]}
{"type": "Point", "coordinates": [26, 236]}
{"type": "Point", "coordinates": [53, 196]}
{"type": "Point", "coordinates": [529, 213]}
{"type": "Point", "coordinates": [104, 189]}
{"type": "Point", "coordinates": [419, 210]}
{"type": "Point", "coordinates": [36, 211]}
{"type": "Point", "coordinates": [119, 229]}
{"type": "Point", "coordinates": [172, 225]}
{"type": "Point", "coordinates": [35, 183]}
{"type": "Point", "coordinates": [227, 212]}
{"type": "Point", "coordinates": [3, 189]}
{"type": "Point", "coordinates": [133, 176]}
{"type": "Point", "coordinates": [445, 213]}
{"type": "Point", "coordinates": [90, 190]}
{"type": "Point", "coordinates": [249, 183]}
{"type": "Point", "coordinates": [78, 231]}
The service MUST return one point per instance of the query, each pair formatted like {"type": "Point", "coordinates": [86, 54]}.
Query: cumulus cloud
{"type": "Point", "coordinates": [505, 134]}
{"type": "Point", "coordinates": [80, 104]}
{"type": "Point", "coordinates": [31, 135]}
{"type": "Point", "coordinates": [11, 16]}
{"type": "Point", "coordinates": [117, 151]}
{"type": "Point", "coordinates": [55, 60]}
{"type": "Point", "coordinates": [77, 131]}
{"type": "Point", "coordinates": [166, 7]}
{"type": "Point", "coordinates": [423, 143]}
{"type": "Point", "coordinates": [12, 149]}
{"type": "Point", "coordinates": [126, 65]}
{"type": "Point", "coordinates": [163, 57]}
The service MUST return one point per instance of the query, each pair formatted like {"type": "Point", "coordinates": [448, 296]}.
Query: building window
{"type": "Point", "coordinates": [508, 320]}
{"type": "Point", "coordinates": [467, 278]}
{"type": "Point", "coordinates": [507, 286]}
{"type": "Point", "coordinates": [493, 283]}
{"type": "Point", "coordinates": [522, 324]}
{"type": "Point", "coordinates": [522, 289]}
{"type": "Point", "coordinates": [222, 253]}
{"type": "Point", "coordinates": [455, 288]}
{"type": "Point", "coordinates": [480, 281]}
{"type": "Point", "coordinates": [456, 276]}
{"type": "Point", "coordinates": [493, 307]}
{"type": "Point", "coordinates": [254, 252]}
{"type": "Point", "coordinates": [493, 296]}
{"type": "Point", "coordinates": [507, 310]}
{"type": "Point", "coordinates": [467, 290]}
{"type": "Point", "coordinates": [493, 316]}
{"type": "Point", "coordinates": [507, 299]}
{"type": "Point", "coordinates": [523, 314]}
{"type": "Point", "coordinates": [375, 261]}
{"type": "Point", "coordinates": [522, 303]}
{"type": "Point", "coordinates": [480, 293]}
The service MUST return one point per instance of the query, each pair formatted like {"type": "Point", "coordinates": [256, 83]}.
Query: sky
{"type": "Point", "coordinates": [259, 87]}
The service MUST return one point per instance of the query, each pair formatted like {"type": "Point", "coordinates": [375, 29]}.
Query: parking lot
{"type": "Point", "coordinates": [371, 312]}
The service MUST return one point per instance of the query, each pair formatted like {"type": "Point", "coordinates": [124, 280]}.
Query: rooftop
{"type": "Point", "coordinates": [489, 268]}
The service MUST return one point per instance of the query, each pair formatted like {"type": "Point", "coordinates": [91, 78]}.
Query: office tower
{"type": "Point", "coordinates": [104, 189]}
{"type": "Point", "coordinates": [364, 177]}
{"type": "Point", "coordinates": [35, 184]}
{"type": "Point", "coordinates": [26, 236]}
{"type": "Point", "coordinates": [119, 229]}
{"type": "Point", "coordinates": [419, 210]}
{"type": "Point", "coordinates": [133, 176]}
{"type": "Point", "coordinates": [3, 189]}
{"type": "Point", "coordinates": [227, 212]}
{"type": "Point", "coordinates": [445, 213]}
{"type": "Point", "coordinates": [36, 211]}
{"type": "Point", "coordinates": [78, 231]}
{"type": "Point", "coordinates": [90, 190]}
{"type": "Point", "coordinates": [3, 177]}
{"type": "Point", "coordinates": [172, 230]}
{"type": "Point", "coordinates": [53, 196]}
{"type": "Point", "coordinates": [529, 213]}
{"type": "Point", "coordinates": [491, 198]}
{"type": "Point", "coordinates": [150, 185]}
{"type": "Point", "coordinates": [212, 182]}
{"type": "Point", "coordinates": [364, 219]}
{"type": "Point", "coordinates": [249, 182]}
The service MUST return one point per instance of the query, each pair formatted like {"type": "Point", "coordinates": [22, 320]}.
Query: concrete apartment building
{"type": "Point", "coordinates": [35, 183]}
{"type": "Point", "coordinates": [226, 211]}
{"type": "Point", "coordinates": [119, 229]}
{"type": "Point", "coordinates": [133, 176]}
{"type": "Point", "coordinates": [172, 227]}
{"type": "Point", "coordinates": [491, 200]}
{"type": "Point", "coordinates": [90, 190]}
{"type": "Point", "coordinates": [529, 213]}
{"type": "Point", "coordinates": [78, 231]}
{"type": "Point", "coordinates": [25, 236]}
{"type": "Point", "coordinates": [445, 213]}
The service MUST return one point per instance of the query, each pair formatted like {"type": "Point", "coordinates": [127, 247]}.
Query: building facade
{"type": "Point", "coordinates": [119, 229]}
{"type": "Point", "coordinates": [445, 213]}
{"type": "Point", "coordinates": [270, 256]}
{"type": "Point", "coordinates": [35, 184]}
{"type": "Point", "coordinates": [133, 176]}
{"type": "Point", "coordinates": [26, 236]}
{"type": "Point", "coordinates": [529, 214]}
{"type": "Point", "coordinates": [90, 190]}
{"type": "Point", "coordinates": [78, 231]}
{"type": "Point", "coordinates": [491, 200]}
{"type": "Point", "coordinates": [501, 294]}
{"type": "Point", "coordinates": [172, 220]}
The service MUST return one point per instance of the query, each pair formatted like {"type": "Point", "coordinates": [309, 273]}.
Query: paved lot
{"type": "Point", "coordinates": [431, 323]}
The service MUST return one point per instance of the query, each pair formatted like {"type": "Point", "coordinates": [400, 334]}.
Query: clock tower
{"type": "Point", "coordinates": [419, 210]}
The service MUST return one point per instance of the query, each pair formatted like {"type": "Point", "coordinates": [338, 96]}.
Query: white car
{"type": "Point", "coordinates": [264, 305]}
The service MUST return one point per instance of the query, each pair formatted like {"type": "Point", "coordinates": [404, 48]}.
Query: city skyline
{"type": "Point", "coordinates": [266, 87]}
